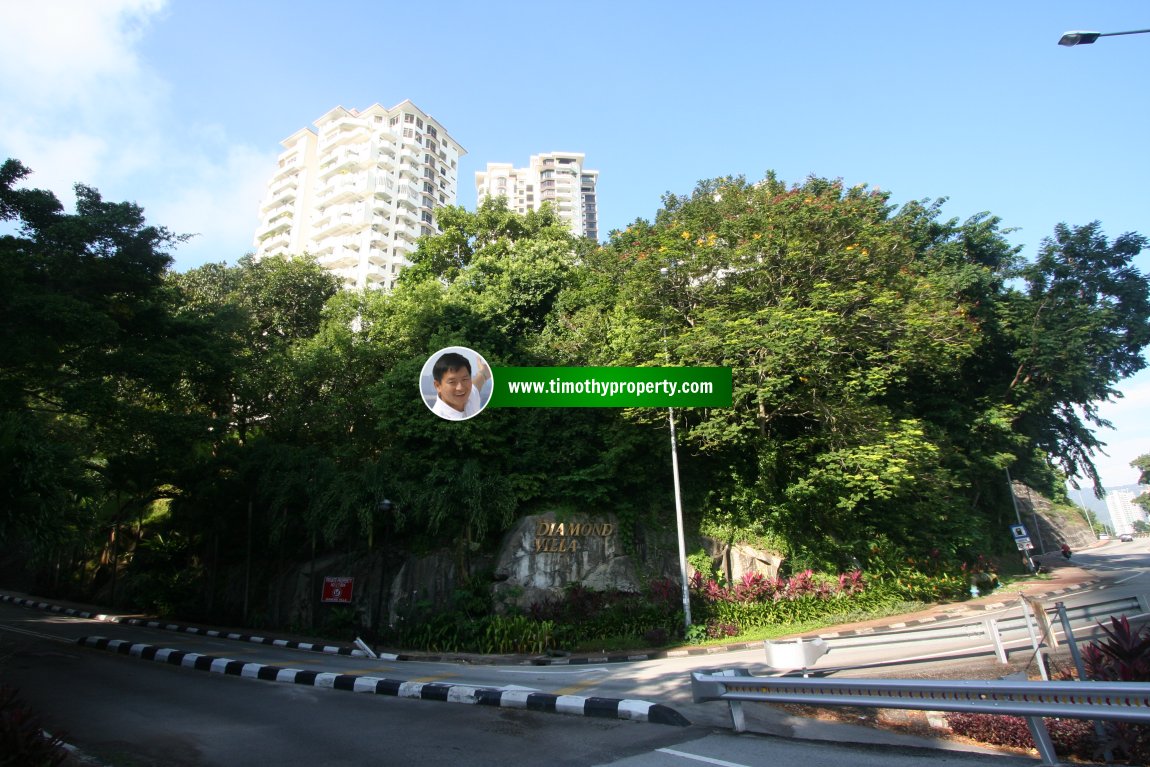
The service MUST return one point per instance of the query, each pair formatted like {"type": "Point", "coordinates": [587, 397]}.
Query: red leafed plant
{"type": "Point", "coordinates": [1124, 656]}
{"type": "Point", "coordinates": [22, 738]}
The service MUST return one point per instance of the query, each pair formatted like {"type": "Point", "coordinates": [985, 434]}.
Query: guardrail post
{"type": "Point", "coordinates": [1034, 640]}
{"type": "Point", "coordinates": [1076, 655]}
{"type": "Point", "coordinates": [991, 627]}
{"type": "Point", "coordinates": [1042, 740]}
{"type": "Point", "coordinates": [738, 720]}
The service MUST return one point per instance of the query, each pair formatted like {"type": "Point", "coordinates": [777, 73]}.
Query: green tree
{"type": "Point", "coordinates": [888, 364]}
{"type": "Point", "coordinates": [1077, 328]}
{"type": "Point", "coordinates": [91, 358]}
{"type": "Point", "coordinates": [814, 296]}
{"type": "Point", "coordinates": [1142, 463]}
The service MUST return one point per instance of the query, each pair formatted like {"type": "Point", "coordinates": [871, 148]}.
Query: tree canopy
{"type": "Point", "coordinates": [890, 366]}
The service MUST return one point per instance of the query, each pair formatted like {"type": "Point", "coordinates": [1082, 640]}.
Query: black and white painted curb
{"type": "Point", "coordinates": [960, 610]}
{"type": "Point", "coordinates": [605, 708]}
{"type": "Point", "coordinates": [214, 633]}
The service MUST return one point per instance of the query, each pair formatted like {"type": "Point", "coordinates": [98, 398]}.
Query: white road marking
{"type": "Point", "coordinates": [697, 758]}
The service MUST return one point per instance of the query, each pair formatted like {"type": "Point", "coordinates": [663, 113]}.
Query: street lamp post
{"type": "Point", "coordinates": [678, 497]}
{"type": "Point", "coordinates": [1087, 38]}
{"type": "Point", "coordinates": [679, 522]}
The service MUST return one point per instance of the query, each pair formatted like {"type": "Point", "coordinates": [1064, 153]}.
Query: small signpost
{"type": "Point", "coordinates": [1022, 540]}
{"type": "Point", "coordinates": [337, 589]}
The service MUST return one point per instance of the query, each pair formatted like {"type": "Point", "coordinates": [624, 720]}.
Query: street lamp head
{"type": "Point", "coordinates": [1079, 38]}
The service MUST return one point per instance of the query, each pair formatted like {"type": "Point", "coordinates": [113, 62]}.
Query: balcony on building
{"type": "Point", "coordinates": [343, 161]}
{"type": "Point", "coordinates": [275, 243]}
{"type": "Point", "coordinates": [285, 191]}
{"type": "Point", "coordinates": [335, 221]}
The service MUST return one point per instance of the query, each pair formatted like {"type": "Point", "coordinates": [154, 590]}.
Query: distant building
{"type": "Point", "coordinates": [1122, 509]}
{"type": "Point", "coordinates": [358, 190]}
{"type": "Point", "coordinates": [558, 178]}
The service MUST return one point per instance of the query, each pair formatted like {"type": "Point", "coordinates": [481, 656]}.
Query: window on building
{"type": "Point", "coordinates": [419, 123]}
{"type": "Point", "coordinates": [409, 118]}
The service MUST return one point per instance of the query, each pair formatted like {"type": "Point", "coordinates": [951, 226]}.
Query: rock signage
{"type": "Point", "coordinates": [546, 553]}
{"type": "Point", "coordinates": [566, 537]}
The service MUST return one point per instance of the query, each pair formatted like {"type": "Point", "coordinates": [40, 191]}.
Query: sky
{"type": "Point", "coordinates": [180, 105]}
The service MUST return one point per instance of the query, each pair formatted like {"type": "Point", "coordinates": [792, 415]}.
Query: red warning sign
{"type": "Point", "coordinates": [337, 589]}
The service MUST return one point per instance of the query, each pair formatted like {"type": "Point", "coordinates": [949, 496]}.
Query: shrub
{"type": "Point", "coordinates": [583, 615]}
{"type": "Point", "coordinates": [756, 601]}
{"type": "Point", "coordinates": [1123, 656]}
{"type": "Point", "coordinates": [1069, 736]}
{"type": "Point", "coordinates": [23, 742]}
{"type": "Point", "coordinates": [516, 634]}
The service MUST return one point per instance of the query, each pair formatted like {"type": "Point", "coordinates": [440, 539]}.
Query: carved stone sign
{"type": "Point", "coordinates": [565, 537]}
{"type": "Point", "coordinates": [546, 553]}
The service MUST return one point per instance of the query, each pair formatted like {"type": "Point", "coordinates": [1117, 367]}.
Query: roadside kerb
{"type": "Point", "coordinates": [878, 633]}
{"type": "Point", "coordinates": [603, 708]}
{"type": "Point", "coordinates": [214, 633]}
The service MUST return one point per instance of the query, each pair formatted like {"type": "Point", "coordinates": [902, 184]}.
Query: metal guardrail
{"type": "Point", "coordinates": [979, 627]}
{"type": "Point", "coordinates": [1117, 701]}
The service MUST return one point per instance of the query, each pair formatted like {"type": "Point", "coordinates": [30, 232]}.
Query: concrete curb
{"type": "Point", "coordinates": [603, 708]}
{"type": "Point", "coordinates": [291, 644]}
{"type": "Point", "coordinates": [963, 608]}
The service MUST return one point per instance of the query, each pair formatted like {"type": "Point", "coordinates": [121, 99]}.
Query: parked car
{"type": "Point", "coordinates": [1127, 537]}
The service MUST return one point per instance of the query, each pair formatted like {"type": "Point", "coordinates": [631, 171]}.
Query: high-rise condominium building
{"type": "Point", "coordinates": [1122, 509]}
{"type": "Point", "coordinates": [358, 190]}
{"type": "Point", "coordinates": [558, 178]}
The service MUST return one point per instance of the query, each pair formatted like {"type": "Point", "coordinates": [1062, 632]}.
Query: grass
{"type": "Point", "coordinates": [628, 643]}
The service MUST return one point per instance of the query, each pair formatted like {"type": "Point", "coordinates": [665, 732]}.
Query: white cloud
{"type": "Point", "coordinates": [72, 87]}
{"type": "Point", "coordinates": [64, 52]}
{"type": "Point", "coordinates": [82, 106]}
{"type": "Point", "coordinates": [218, 202]}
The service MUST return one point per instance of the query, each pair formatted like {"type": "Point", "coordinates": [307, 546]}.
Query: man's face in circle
{"type": "Point", "coordinates": [454, 387]}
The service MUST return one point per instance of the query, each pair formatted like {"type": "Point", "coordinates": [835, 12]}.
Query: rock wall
{"type": "Point", "coordinates": [1050, 527]}
{"type": "Point", "coordinates": [546, 553]}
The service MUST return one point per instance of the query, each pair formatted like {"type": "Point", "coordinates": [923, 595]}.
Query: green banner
{"type": "Point", "coordinates": [611, 387]}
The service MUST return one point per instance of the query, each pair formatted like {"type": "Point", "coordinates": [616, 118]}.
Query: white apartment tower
{"type": "Point", "coordinates": [558, 178]}
{"type": "Point", "coordinates": [358, 190]}
{"type": "Point", "coordinates": [1122, 509]}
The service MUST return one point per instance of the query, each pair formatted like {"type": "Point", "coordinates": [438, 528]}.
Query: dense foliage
{"type": "Point", "coordinates": [1122, 656]}
{"type": "Point", "coordinates": [23, 741]}
{"type": "Point", "coordinates": [222, 424]}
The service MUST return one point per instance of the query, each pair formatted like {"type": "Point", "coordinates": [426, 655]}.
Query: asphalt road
{"type": "Point", "coordinates": [124, 711]}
